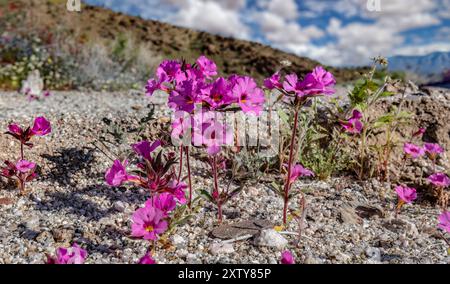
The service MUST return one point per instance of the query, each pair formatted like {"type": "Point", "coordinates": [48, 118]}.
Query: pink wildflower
{"type": "Point", "coordinates": [287, 258]}
{"type": "Point", "coordinates": [144, 148]}
{"type": "Point", "coordinates": [163, 201]}
{"type": "Point", "coordinates": [186, 96]}
{"type": "Point", "coordinates": [148, 223]}
{"type": "Point", "coordinates": [177, 189]}
{"type": "Point", "coordinates": [319, 81]}
{"type": "Point", "coordinates": [299, 171]}
{"type": "Point", "coordinates": [207, 67]}
{"type": "Point", "coordinates": [439, 180]}
{"type": "Point", "coordinates": [218, 94]}
{"type": "Point", "coordinates": [433, 149]}
{"type": "Point", "coordinates": [354, 124]}
{"type": "Point", "coordinates": [117, 174]}
{"type": "Point", "coordinates": [249, 97]}
{"type": "Point", "coordinates": [181, 126]}
{"type": "Point", "coordinates": [406, 194]}
{"type": "Point", "coordinates": [170, 70]}
{"type": "Point", "coordinates": [413, 151]}
{"type": "Point", "coordinates": [291, 84]}
{"type": "Point", "coordinates": [210, 132]}
{"type": "Point", "coordinates": [41, 126]}
{"type": "Point", "coordinates": [273, 81]}
{"type": "Point", "coordinates": [444, 221]}
{"type": "Point", "coordinates": [147, 259]}
{"type": "Point", "coordinates": [24, 166]}
{"type": "Point", "coordinates": [73, 255]}
{"type": "Point", "coordinates": [15, 129]}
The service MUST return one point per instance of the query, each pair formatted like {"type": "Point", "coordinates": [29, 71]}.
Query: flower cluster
{"type": "Point", "coordinates": [154, 172]}
{"type": "Point", "coordinates": [72, 255]}
{"type": "Point", "coordinates": [24, 171]}
{"type": "Point", "coordinates": [197, 95]}
{"type": "Point", "coordinates": [432, 150]}
{"type": "Point", "coordinates": [297, 92]}
{"type": "Point", "coordinates": [354, 124]}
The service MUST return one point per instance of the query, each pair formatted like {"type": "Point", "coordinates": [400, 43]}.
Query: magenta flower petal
{"type": "Point", "coordinates": [117, 174]}
{"type": "Point", "coordinates": [249, 97]}
{"type": "Point", "coordinates": [299, 171]}
{"type": "Point", "coordinates": [15, 129]}
{"type": "Point", "coordinates": [148, 222]}
{"type": "Point", "coordinates": [273, 81]}
{"type": "Point", "coordinates": [144, 148]}
{"type": "Point", "coordinates": [406, 194]}
{"type": "Point", "coordinates": [24, 166]}
{"type": "Point", "coordinates": [72, 255]}
{"type": "Point", "coordinates": [41, 126]}
{"type": "Point", "coordinates": [439, 180]}
{"type": "Point", "coordinates": [413, 151]}
{"type": "Point", "coordinates": [207, 67]}
{"type": "Point", "coordinates": [444, 221]}
{"type": "Point", "coordinates": [164, 202]}
{"type": "Point", "coordinates": [147, 259]}
{"type": "Point", "coordinates": [318, 82]}
{"type": "Point", "coordinates": [287, 258]}
{"type": "Point", "coordinates": [433, 149]}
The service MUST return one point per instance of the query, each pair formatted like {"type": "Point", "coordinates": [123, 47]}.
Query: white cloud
{"type": "Point", "coordinates": [212, 16]}
{"type": "Point", "coordinates": [352, 37]}
{"type": "Point", "coordinates": [286, 9]}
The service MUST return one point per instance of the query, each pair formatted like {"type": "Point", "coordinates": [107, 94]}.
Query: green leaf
{"type": "Point", "coordinates": [206, 195]}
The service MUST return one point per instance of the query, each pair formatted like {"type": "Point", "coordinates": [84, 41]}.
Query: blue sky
{"type": "Point", "coordinates": [335, 32]}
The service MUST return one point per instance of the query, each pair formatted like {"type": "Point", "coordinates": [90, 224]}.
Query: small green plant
{"type": "Point", "coordinates": [375, 158]}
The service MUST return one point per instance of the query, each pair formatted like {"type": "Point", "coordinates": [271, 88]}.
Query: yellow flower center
{"type": "Point", "coordinates": [149, 228]}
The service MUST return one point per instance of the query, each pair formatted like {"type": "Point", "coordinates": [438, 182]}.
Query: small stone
{"type": "Point", "coordinates": [270, 238]}
{"type": "Point", "coordinates": [348, 215]}
{"type": "Point", "coordinates": [193, 259]}
{"type": "Point", "coordinates": [312, 260]}
{"type": "Point", "coordinates": [342, 257]}
{"type": "Point", "coordinates": [221, 248]}
{"type": "Point", "coordinates": [178, 241]}
{"type": "Point", "coordinates": [63, 235]}
{"type": "Point", "coordinates": [119, 206]}
{"type": "Point", "coordinates": [45, 238]}
{"type": "Point", "coordinates": [373, 253]}
{"type": "Point", "coordinates": [32, 223]}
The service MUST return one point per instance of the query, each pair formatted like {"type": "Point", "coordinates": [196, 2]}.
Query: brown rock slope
{"type": "Point", "coordinates": [95, 24]}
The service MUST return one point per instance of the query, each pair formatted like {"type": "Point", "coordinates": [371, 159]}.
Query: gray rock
{"type": "Point", "coordinates": [32, 223]}
{"type": "Point", "coordinates": [348, 215]}
{"type": "Point", "coordinates": [373, 254]}
{"type": "Point", "coordinates": [221, 248]}
{"type": "Point", "coordinates": [270, 238]}
{"type": "Point", "coordinates": [119, 206]}
{"type": "Point", "coordinates": [45, 238]}
{"type": "Point", "coordinates": [178, 241]}
{"type": "Point", "coordinates": [193, 259]}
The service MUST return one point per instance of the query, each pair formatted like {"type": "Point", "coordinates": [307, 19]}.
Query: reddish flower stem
{"type": "Point", "coordinates": [180, 169]}
{"type": "Point", "coordinates": [291, 157]}
{"type": "Point", "coordinates": [189, 176]}
{"type": "Point", "coordinates": [216, 190]}
{"type": "Point", "coordinates": [21, 151]}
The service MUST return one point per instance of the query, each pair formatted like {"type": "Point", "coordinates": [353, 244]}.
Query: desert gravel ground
{"type": "Point", "coordinates": [347, 222]}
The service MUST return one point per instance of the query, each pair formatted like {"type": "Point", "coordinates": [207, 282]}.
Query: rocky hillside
{"type": "Point", "coordinates": [94, 25]}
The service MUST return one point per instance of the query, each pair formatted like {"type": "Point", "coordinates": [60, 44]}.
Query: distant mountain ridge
{"type": "Point", "coordinates": [430, 68]}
